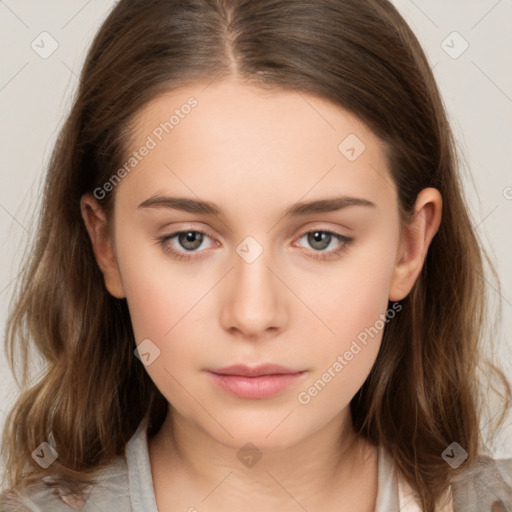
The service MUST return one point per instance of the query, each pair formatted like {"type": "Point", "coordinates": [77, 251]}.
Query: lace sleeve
{"type": "Point", "coordinates": [484, 487]}
{"type": "Point", "coordinates": [110, 493]}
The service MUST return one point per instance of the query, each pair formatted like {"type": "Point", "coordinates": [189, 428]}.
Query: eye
{"type": "Point", "coordinates": [190, 240]}
{"type": "Point", "coordinates": [321, 239]}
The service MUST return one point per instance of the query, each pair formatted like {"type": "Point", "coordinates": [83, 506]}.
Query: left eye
{"type": "Point", "coordinates": [191, 240]}
{"type": "Point", "coordinates": [321, 239]}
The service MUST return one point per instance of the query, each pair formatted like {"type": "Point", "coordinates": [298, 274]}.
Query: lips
{"type": "Point", "coordinates": [255, 382]}
{"type": "Point", "coordinates": [254, 371]}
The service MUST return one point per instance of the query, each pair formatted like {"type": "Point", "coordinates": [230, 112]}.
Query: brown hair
{"type": "Point", "coordinates": [423, 391]}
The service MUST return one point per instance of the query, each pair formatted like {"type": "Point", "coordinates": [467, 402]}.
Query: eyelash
{"type": "Point", "coordinates": [344, 241]}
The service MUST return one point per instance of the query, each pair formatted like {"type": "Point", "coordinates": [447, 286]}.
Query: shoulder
{"type": "Point", "coordinates": [110, 492]}
{"type": "Point", "coordinates": [484, 484]}
{"type": "Point", "coordinates": [38, 496]}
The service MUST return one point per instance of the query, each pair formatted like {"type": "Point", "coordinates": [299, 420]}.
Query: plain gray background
{"type": "Point", "coordinates": [476, 84]}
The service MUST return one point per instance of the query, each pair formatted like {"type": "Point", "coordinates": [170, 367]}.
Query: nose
{"type": "Point", "coordinates": [254, 300]}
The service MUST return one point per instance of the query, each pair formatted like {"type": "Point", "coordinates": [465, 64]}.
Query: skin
{"type": "Point", "coordinates": [255, 153]}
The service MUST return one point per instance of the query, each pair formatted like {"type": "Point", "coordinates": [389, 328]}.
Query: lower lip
{"type": "Point", "coordinates": [264, 386]}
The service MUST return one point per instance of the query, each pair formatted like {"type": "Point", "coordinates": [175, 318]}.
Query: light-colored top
{"type": "Point", "coordinates": [393, 494]}
{"type": "Point", "coordinates": [126, 485]}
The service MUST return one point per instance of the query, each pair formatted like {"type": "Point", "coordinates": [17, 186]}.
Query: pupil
{"type": "Point", "coordinates": [321, 238]}
{"type": "Point", "coordinates": [190, 240]}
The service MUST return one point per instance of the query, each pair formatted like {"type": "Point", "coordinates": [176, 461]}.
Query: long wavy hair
{"type": "Point", "coordinates": [426, 388]}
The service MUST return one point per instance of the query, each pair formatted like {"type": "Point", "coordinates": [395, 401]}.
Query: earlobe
{"type": "Point", "coordinates": [96, 224]}
{"type": "Point", "coordinates": [415, 241]}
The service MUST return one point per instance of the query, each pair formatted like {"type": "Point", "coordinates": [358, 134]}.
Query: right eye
{"type": "Point", "coordinates": [190, 240]}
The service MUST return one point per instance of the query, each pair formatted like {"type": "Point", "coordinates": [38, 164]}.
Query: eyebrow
{"type": "Point", "coordinates": [296, 210]}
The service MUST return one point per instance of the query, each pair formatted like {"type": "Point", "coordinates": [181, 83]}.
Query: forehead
{"type": "Point", "coordinates": [234, 142]}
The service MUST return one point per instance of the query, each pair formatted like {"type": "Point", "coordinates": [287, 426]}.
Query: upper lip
{"type": "Point", "coordinates": [254, 371]}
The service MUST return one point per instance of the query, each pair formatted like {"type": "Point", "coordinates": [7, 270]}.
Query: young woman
{"type": "Point", "coordinates": [255, 280]}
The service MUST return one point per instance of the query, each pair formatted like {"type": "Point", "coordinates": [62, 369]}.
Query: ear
{"type": "Point", "coordinates": [414, 242]}
{"type": "Point", "coordinates": [96, 223]}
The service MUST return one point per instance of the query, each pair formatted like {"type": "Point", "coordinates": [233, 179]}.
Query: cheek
{"type": "Point", "coordinates": [165, 314]}
{"type": "Point", "coordinates": [169, 304]}
{"type": "Point", "coordinates": [159, 291]}
{"type": "Point", "coordinates": [349, 297]}
{"type": "Point", "coordinates": [153, 306]}
{"type": "Point", "coordinates": [352, 303]}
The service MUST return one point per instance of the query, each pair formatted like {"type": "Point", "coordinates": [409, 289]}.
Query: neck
{"type": "Point", "coordinates": [323, 464]}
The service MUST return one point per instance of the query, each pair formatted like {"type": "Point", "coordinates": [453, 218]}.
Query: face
{"type": "Point", "coordinates": [261, 280]}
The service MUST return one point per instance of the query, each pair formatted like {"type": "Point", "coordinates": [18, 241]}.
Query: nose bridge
{"type": "Point", "coordinates": [253, 279]}
{"type": "Point", "coordinates": [254, 303]}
